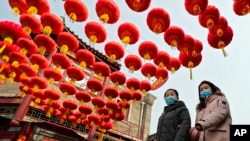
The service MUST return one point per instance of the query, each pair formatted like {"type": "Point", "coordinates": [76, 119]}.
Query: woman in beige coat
{"type": "Point", "coordinates": [213, 117]}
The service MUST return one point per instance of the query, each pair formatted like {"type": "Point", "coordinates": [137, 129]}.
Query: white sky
{"type": "Point", "coordinates": [230, 73]}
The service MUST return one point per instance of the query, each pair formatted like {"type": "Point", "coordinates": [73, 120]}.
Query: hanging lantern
{"type": "Point", "coordinates": [26, 71]}
{"type": "Point", "coordinates": [45, 44]}
{"type": "Point", "coordinates": [76, 10]}
{"type": "Point", "coordinates": [118, 115]}
{"type": "Point", "coordinates": [174, 64]}
{"type": "Point", "coordinates": [94, 119]}
{"type": "Point", "coordinates": [220, 27]}
{"type": "Point", "coordinates": [161, 74]}
{"type": "Point", "coordinates": [133, 84]}
{"type": "Point", "coordinates": [103, 111]}
{"type": "Point", "coordinates": [197, 48]}
{"type": "Point", "coordinates": [162, 59]}
{"type": "Point", "coordinates": [148, 50]}
{"type": "Point", "coordinates": [4, 71]}
{"type": "Point", "coordinates": [39, 96]}
{"type": "Point", "coordinates": [61, 61]}
{"type": "Point", "coordinates": [85, 58]}
{"type": "Point", "coordinates": [85, 110]}
{"type": "Point", "coordinates": [209, 17]}
{"type": "Point", "coordinates": [187, 45]}
{"type": "Point", "coordinates": [94, 85]}
{"type": "Point", "coordinates": [30, 24]}
{"type": "Point", "coordinates": [112, 106]}
{"type": "Point", "coordinates": [222, 41]}
{"type": "Point", "coordinates": [124, 105]}
{"type": "Point", "coordinates": [16, 58]}
{"type": "Point", "coordinates": [19, 7]}
{"type": "Point", "coordinates": [132, 62]}
{"type": "Point", "coordinates": [137, 96]}
{"type": "Point", "coordinates": [107, 11]}
{"type": "Point", "coordinates": [38, 7]}
{"type": "Point", "coordinates": [69, 105]}
{"type": "Point", "coordinates": [14, 75]}
{"type": "Point", "coordinates": [195, 7]}
{"type": "Point", "coordinates": [52, 108]}
{"type": "Point", "coordinates": [27, 46]}
{"type": "Point", "coordinates": [73, 118]}
{"type": "Point", "coordinates": [51, 94]}
{"type": "Point", "coordinates": [114, 51]}
{"type": "Point", "coordinates": [241, 7]}
{"type": "Point", "coordinates": [148, 70]}
{"type": "Point", "coordinates": [190, 61]}
{"type": "Point", "coordinates": [138, 5]}
{"type": "Point", "coordinates": [38, 82]}
{"type": "Point", "coordinates": [38, 61]}
{"type": "Point", "coordinates": [63, 114]}
{"type": "Point", "coordinates": [25, 86]}
{"type": "Point", "coordinates": [158, 20]}
{"type": "Point", "coordinates": [98, 102]}
{"type": "Point", "coordinates": [118, 78]}
{"type": "Point", "coordinates": [51, 24]}
{"type": "Point", "coordinates": [128, 33]}
{"type": "Point", "coordinates": [95, 32]}
{"type": "Point", "coordinates": [52, 75]}
{"type": "Point", "coordinates": [67, 89]}
{"type": "Point", "coordinates": [145, 86]}
{"type": "Point", "coordinates": [86, 123]}
{"type": "Point", "coordinates": [83, 97]}
{"type": "Point", "coordinates": [75, 74]}
{"type": "Point", "coordinates": [67, 42]}
{"type": "Point", "coordinates": [110, 92]}
{"type": "Point", "coordinates": [126, 95]}
{"type": "Point", "coordinates": [101, 69]}
{"type": "Point", "coordinates": [174, 36]}
{"type": "Point", "coordinates": [6, 52]}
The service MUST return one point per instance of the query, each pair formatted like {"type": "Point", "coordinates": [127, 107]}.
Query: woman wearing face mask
{"type": "Point", "coordinates": [213, 117]}
{"type": "Point", "coordinates": [175, 122]}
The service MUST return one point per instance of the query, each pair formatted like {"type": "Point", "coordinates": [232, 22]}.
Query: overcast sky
{"type": "Point", "coordinates": [230, 73]}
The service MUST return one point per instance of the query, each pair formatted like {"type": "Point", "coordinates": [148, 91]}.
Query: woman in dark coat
{"type": "Point", "coordinates": [175, 122]}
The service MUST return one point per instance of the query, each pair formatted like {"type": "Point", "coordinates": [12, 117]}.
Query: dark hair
{"type": "Point", "coordinates": [176, 92]}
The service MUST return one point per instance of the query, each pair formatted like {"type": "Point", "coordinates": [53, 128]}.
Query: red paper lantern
{"type": "Point", "coordinates": [67, 89]}
{"type": "Point", "coordinates": [124, 105]}
{"type": "Point", "coordinates": [148, 70]}
{"type": "Point", "coordinates": [85, 110]}
{"type": "Point", "coordinates": [69, 104]}
{"type": "Point", "coordinates": [195, 7]}
{"type": "Point", "coordinates": [39, 96]}
{"type": "Point", "coordinates": [4, 71]}
{"type": "Point", "coordinates": [162, 59]}
{"type": "Point", "coordinates": [51, 23]}
{"type": "Point", "coordinates": [110, 92]}
{"type": "Point", "coordinates": [95, 32]}
{"type": "Point", "coordinates": [118, 115]}
{"type": "Point", "coordinates": [51, 94]}
{"type": "Point", "coordinates": [190, 61]}
{"type": "Point", "coordinates": [26, 71]}
{"type": "Point", "coordinates": [16, 58]}
{"type": "Point", "coordinates": [132, 62]}
{"type": "Point", "coordinates": [114, 51]}
{"type": "Point", "coordinates": [133, 84]}
{"type": "Point", "coordinates": [148, 50]}
{"type": "Point", "coordinates": [209, 17]}
{"type": "Point", "coordinates": [94, 119]}
{"type": "Point", "coordinates": [94, 85]}
{"type": "Point", "coordinates": [14, 75]}
{"type": "Point", "coordinates": [107, 11]}
{"type": "Point", "coordinates": [220, 27]}
{"type": "Point", "coordinates": [6, 52]}
{"type": "Point", "coordinates": [137, 96]}
{"type": "Point", "coordinates": [101, 69]}
{"type": "Point", "coordinates": [83, 96]}
{"type": "Point", "coordinates": [76, 10]}
{"type": "Point", "coordinates": [158, 20]}
{"type": "Point", "coordinates": [27, 46]}
{"type": "Point", "coordinates": [145, 86]}
{"type": "Point", "coordinates": [38, 82]}
{"type": "Point", "coordinates": [161, 74]}
{"type": "Point", "coordinates": [241, 7]}
{"type": "Point", "coordinates": [128, 33]}
{"type": "Point", "coordinates": [75, 74]}
{"type": "Point", "coordinates": [98, 102]}
{"type": "Point", "coordinates": [38, 61]}
{"type": "Point", "coordinates": [30, 24]}
{"type": "Point", "coordinates": [138, 5]}
{"type": "Point", "coordinates": [174, 64]}
{"type": "Point", "coordinates": [52, 108]}
{"type": "Point", "coordinates": [67, 42]}
{"type": "Point", "coordinates": [19, 7]}
{"type": "Point", "coordinates": [64, 114]}
{"type": "Point", "coordinates": [118, 78]}
{"type": "Point", "coordinates": [187, 45]}
{"type": "Point", "coordinates": [126, 95]}
{"type": "Point", "coordinates": [197, 48]}
{"type": "Point", "coordinates": [38, 7]}
{"type": "Point", "coordinates": [174, 36]}
{"type": "Point", "coordinates": [52, 75]}
{"type": "Point", "coordinates": [103, 111]}
{"type": "Point", "coordinates": [61, 61]}
{"type": "Point", "coordinates": [45, 44]}
{"type": "Point", "coordinates": [25, 86]}
{"type": "Point", "coordinates": [112, 106]}
{"type": "Point", "coordinates": [85, 58]}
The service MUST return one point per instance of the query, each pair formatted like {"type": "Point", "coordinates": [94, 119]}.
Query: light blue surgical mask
{"type": "Point", "coordinates": [205, 93]}
{"type": "Point", "coordinates": [170, 100]}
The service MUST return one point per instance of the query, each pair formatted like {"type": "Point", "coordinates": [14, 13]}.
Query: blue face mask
{"type": "Point", "coordinates": [170, 100]}
{"type": "Point", "coordinates": [205, 93]}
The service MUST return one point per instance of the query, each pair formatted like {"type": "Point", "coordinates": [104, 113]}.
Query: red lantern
{"type": "Point", "coordinates": [161, 74]}
{"type": "Point", "coordinates": [4, 71]}
{"type": "Point", "coordinates": [14, 75]}
{"type": "Point", "coordinates": [16, 58]}
{"type": "Point", "coordinates": [52, 108]}
{"type": "Point", "coordinates": [138, 5]}
{"type": "Point", "coordinates": [26, 71]}
{"type": "Point", "coordinates": [95, 32]}
{"type": "Point", "coordinates": [118, 115]}
{"type": "Point", "coordinates": [128, 33]}
{"type": "Point", "coordinates": [133, 62]}
{"type": "Point", "coordinates": [162, 59]}
{"type": "Point", "coordinates": [67, 42]}
{"type": "Point", "coordinates": [98, 102]}
{"type": "Point", "coordinates": [220, 27]}
{"type": "Point", "coordinates": [174, 64]}
{"type": "Point", "coordinates": [94, 119]}
{"type": "Point", "coordinates": [51, 94]}
{"type": "Point", "coordinates": [112, 106]}
{"type": "Point", "coordinates": [38, 7]}
{"type": "Point", "coordinates": [39, 61]}
{"type": "Point", "coordinates": [126, 95]}
{"type": "Point", "coordinates": [73, 119]}
{"type": "Point", "coordinates": [148, 70]}
{"type": "Point", "coordinates": [107, 11]}
{"type": "Point", "coordinates": [187, 45]}
{"type": "Point", "coordinates": [94, 85]}
{"type": "Point", "coordinates": [61, 61]}
{"type": "Point", "coordinates": [39, 96]}
{"type": "Point", "coordinates": [52, 75]}
{"type": "Point", "coordinates": [25, 86]}
{"type": "Point", "coordinates": [76, 10]}
{"type": "Point", "coordinates": [103, 111]}
{"type": "Point", "coordinates": [118, 78]}
{"type": "Point", "coordinates": [64, 114]}
{"type": "Point", "coordinates": [222, 41]}
{"type": "Point", "coordinates": [195, 7]}
{"type": "Point", "coordinates": [51, 23]}
{"type": "Point", "coordinates": [137, 96]}
{"type": "Point", "coordinates": [85, 58]}
{"type": "Point", "coordinates": [101, 69]}
{"type": "Point", "coordinates": [158, 20]}
{"type": "Point", "coordinates": [30, 24]}
{"type": "Point", "coordinates": [133, 84]}
{"type": "Point", "coordinates": [145, 86]}
{"type": "Point", "coordinates": [124, 105]}
{"type": "Point", "coordinates": [174, 36]}
{"type": "Point", "coordinates": [45, 44]}
{"type": "Point", "coordinates": [148, 50]}
{"type": "Point", "coordinates": [67, 89]}
{"type": "Point", "coordinates": [110, 92]}
{"type": "Point", "coordinates": [85, 110]}
{"type": "Point", "coordinates": [69, 105]}
{"type": "Point", "coordinates": [197, 48]}
{"type": "Point", "coordinates": [83, 96]}
{"type": "Point", "coordinates": [27, 46]}
{"type": "Point", "coordinates": [38, 82]}
{"type": "Point", "coordinates": [114, 51]}
{"type": "Point", "coordinates": [190, 61]}
{"type": "Point", "coordinates": [75, 74]}
{"type": "Point", "coordinates": [19, 7]}
{"type": "Point", "coordinates": [6, 52]}
{"type": "Point", "coordinates": [209, 17]}
{"type": "Point", "coordinates": [241, 7]}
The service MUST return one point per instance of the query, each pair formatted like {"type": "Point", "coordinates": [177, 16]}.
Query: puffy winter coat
{"type": "Point", "coordinates": [174, 123]}
{"type": "Point", "coordinates": [215, 119]}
